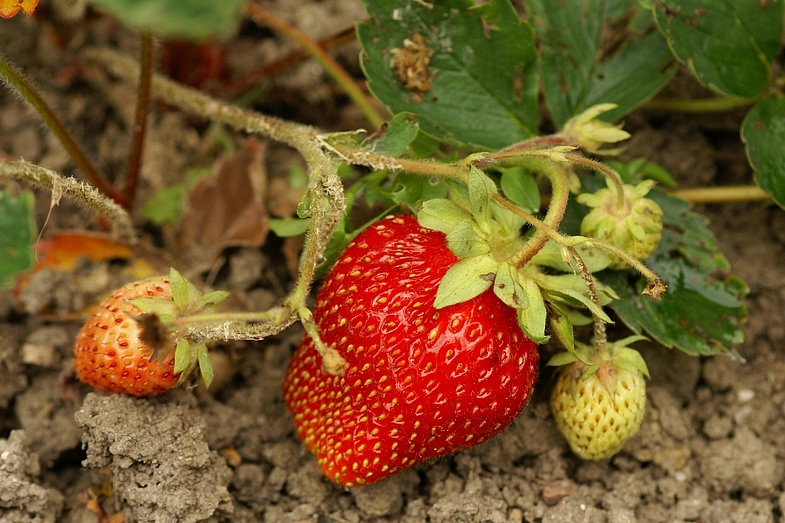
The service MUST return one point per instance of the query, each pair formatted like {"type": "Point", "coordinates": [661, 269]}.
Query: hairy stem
{"type": "Point", "coordinates": [600, 331]}
{"type": "Point", "coordinates": [603, 169]}
{"type": "Point", "coordinates": [83, 193]}
{"type": "Point", "coordinates": [653, 290]}
{"type": "Point", "coordinates": [324, 200]}
{"type": "Point", "coordinates": [558, 205]}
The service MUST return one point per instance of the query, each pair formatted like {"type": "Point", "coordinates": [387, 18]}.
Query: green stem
{"type": "Point", "coordinates": [140, 119]}
{"type": "Point", "coordinates": [610, 174]}
{"type": "Point", "coordinates": [558, 205]}
{"type": "Point", "coordinates": [331, 66]}
{"type": "Point", "coordinates": [699, 105]}
{"type": "Point", "coordinates": [20, 84]}
{"type": "Point", "coordinates": [725, 194]}
{"type": "Point", "coordinates": [655, 287]}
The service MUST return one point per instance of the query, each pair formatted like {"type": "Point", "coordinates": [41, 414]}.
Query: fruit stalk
{"type": "Point", "coordinates": [84, 194]}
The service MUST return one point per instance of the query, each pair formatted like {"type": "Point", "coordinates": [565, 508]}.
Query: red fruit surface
{"type": "Point", "coordinates": [110, 353]}
{"type": "Point", "coordinates": [418, 382]}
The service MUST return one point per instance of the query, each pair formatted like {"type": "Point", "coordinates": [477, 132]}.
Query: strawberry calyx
{"type": "Point", "coordinates": [625, 218]}
{"type": "Point", "coordinates": [158, 313]}
{"type": "Point", "coordinates": [603, 359]}
{"type": "Point", "coordinates": [486, 239]}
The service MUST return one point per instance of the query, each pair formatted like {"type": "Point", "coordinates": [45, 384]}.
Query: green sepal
{"type": "Point", "coordinates": [441, 215]}
{"type": "Point", "coordinates": [533, 318]}
{"type": "Point", "coordinates": [562, 358]}
{"type": "Point", "coordinates": [464, 240]}
{"type": "Point", "coordinates": [182, 357]}
{"type": "Point", "coordinates": [164, 308]}
{"type": "Point", "coordinates": [630, 359]}
{"type": "Point", "coordinates": [562, 327]}
{"type": "Point", "coordinates": [481, 189]}
{"type": "Point", "coordinates": [465, 280]}
{"type": "Point", "coordinates": [551, 255]}
{"type": "Point", "coordinates": [581, 298]}
{"type": "Point", "coordinates": [211, 300]}
{"type": "Point", "coordinates": [508, 286]}
{"type": "Point", "coordinates": [205, 364]}
{"type": "Point", "coordinates": [183, 291]}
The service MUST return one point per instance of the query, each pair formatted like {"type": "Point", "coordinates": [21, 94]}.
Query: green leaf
{"type": "Point", "coordinates": [161, 307]}
{"type": "Point", "coordinates": [728, 45]}
{"type": "Point", "coordinates": [17, 235]}
{"type": "Point", "coordinates": [702, 311]}
{"type": "Point", "coordinates": [520, 186]}
{"type": "Point", "coordinates": [211, 300]}
{"type": "Point", "coordinates": [465, 280]}
{"type": "Point", "coordinates": [412, 189]}
{"type": "Point", "coordinates": [632, 76]}
{"type": "Point", "coordinates": [763, 133]}
{"type": "Point", "coordinates": [398, 134]}
{"type": "Point", "coordinates": [288, 227]}
{"type": "Point", "coordinates": [578, 72]}
{"type": "Point", "coordinates": [188, 19]}
{"type": "Point", "coordinates": [472, 73]}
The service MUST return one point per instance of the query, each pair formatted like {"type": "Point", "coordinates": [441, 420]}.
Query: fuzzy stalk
{"type": "Point", "coordinates": [84, 194]}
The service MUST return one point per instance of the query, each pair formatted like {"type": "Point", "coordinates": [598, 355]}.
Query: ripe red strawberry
{"type": "Point", "coordinates": [418, 382]}
{"type": "Point", "coordinates": [126, 347]}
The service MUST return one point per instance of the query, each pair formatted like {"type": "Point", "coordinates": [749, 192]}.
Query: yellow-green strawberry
{"type": "Point", "coordinates": [631, 222]}
{"type": "Point", "coordinates": [599, 406]}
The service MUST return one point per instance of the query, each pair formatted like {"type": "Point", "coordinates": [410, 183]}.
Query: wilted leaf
{"type": "Point", "coordinates": [9, 8]}
{"type": "Point", "coordinates": [227, 210]}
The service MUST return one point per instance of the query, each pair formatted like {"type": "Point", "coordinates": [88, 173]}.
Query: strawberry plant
{"type": "Point", "coordinates": [510, 242]}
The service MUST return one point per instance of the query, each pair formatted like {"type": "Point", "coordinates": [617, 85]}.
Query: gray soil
{"type": "Point", "coordinates": [711, 448]}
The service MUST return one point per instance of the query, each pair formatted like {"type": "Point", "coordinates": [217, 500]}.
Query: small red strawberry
{"type": "Point", "coordinates": [125, 345]}
{"type": "Point", "coordinates": [418, 382]}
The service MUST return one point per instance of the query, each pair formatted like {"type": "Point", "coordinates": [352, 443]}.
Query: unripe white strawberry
{"type": "Point", "coordinates": [597, 408]}
{"type": "Point", "coordinates": [632, 223]}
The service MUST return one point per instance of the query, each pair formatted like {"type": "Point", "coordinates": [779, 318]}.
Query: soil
{"type": "Point", "coordinates": [711, 448]}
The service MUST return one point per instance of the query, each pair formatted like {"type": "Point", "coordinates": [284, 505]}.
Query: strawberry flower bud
{"type": "Point", "coordinates": [591, 133]}
{"type": "Point", "coordinates": [633, 223]}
